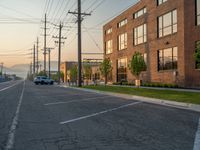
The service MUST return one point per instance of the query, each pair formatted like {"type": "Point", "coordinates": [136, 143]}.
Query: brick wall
{"type": "Point", "coordinates": [184, 39]}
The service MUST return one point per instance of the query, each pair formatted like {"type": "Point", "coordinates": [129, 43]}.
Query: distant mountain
{"type": "Point", "coordinates": [21, 70]}
{"type": "Point", "coordinates": [20, 67]}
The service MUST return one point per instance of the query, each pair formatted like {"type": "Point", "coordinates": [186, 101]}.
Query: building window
{"type": "Point", "coordinates": [122, 41]}
{"type": "Point", "coordinates": [109, 31]}
{"type": "Point", "coordinates": [109, 47]}
{"type": "Point", "coordinates": [140, 34]}
{"type": "Point", "coordinates": [122, 23]}
{"type": "Point", "coordinates": [167, 24]}
{"type": "Point", "coordinates": [167, 59]}
{"type": "Point", "coordinates": [122, 70]}
{"type": "Point", "coordinates": [140, 13]}
{"type": "Point", "coordinates": [197, 12]}
{"type": "Point", "coordinates": [159, 2]}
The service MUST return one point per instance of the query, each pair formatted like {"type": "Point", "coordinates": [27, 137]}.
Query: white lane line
{"type": "Point", "coordinates": [72, 101]}
{"type": "Point", "coordinates": [197, 138]}
{"type": "Point", "coordinates": [99, 113]}
{"type": "Point", "coordinates": [11, 135]}
{"type": "Point", "coordinates": [9, 87]}
{"type": "Point", "coordinates": [68, 94]}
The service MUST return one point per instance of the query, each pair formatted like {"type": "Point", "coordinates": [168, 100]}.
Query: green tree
{"type": "Point", "coordinates": [105, 68]}
{"type": "Point", "coordinates": [62, 76]}
{"type": "Point", "coordinates": [87, 71]}
{"type": "Point", "coordinates": [42, 73]}
{"type": "Point", "coordinates": [137, 65]}
{"type": "Point", "coordinates": [197, 55]}
{"type": "Point", "coordinates": [73, 73]}
{"type": "Point", "coordinates": [55, 76]}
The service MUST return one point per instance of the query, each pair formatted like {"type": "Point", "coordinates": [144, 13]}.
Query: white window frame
{"type": "Point", "coordinates": [109, 46]}
{"type": "Point", "coordinates": [140, 12]}
{"type": "Point", "coordinates": [122, 23]}
{"type": "Point", "coordinates": [144, 34]}
{"type": "Point", "coordinates": [122, 41]}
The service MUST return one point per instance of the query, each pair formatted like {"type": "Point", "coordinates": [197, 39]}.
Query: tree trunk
{"type": "Point", "coordinates": [137, 82]}
{"type": "Point", "coordinates": [105, 80]}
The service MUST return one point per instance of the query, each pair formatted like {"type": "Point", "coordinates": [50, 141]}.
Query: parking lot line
{"type": "Point", "coordinates": [99, 113]}
{"type": "Point", "coordinates": [69, 94]}
{"type": "Point", "coordinates": [9, 87]}
{"type": "Point", "coordinates": [197, 138]}
{"type": "Point", "coordinates": [72, 101]}
{"type": "Point", "coordinates": [11, 135]}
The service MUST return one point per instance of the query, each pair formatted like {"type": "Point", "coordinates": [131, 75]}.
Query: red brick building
{"type": "Point", "coordinates": [165, 32]}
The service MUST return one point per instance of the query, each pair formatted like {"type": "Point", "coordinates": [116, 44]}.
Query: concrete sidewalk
{"type": "Point", "coordinates": [180, 105]}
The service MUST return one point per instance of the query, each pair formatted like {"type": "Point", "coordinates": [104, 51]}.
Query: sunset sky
{"type": "Point", "coordinates": [21, 23]}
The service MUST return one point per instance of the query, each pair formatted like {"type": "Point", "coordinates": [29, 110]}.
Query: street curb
{"type": "Point", "coordinates": [180, 105]}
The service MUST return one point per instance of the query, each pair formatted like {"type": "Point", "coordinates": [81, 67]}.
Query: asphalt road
{"type": "Point", "coordinates": [8, 84]}
{"type": "Point", "coordinates": [54, 118]}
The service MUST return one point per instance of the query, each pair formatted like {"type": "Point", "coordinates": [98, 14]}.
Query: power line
{"type": "Point", "coordinates": [55, 8]}
{"type": "Point", "coordinates": [92, 38]}
{"type": "Point", "coordinates": [93, 4]}
{"type": "Point", "coordinates": [44, 9]}
{"type": "Point", "coordinates": [17, 11]}
{"type": "Point", "coordinates": [47, 6]}
{"type": "Point", "coordinates": [59, 17]}
{"type": "Point", "coordinates": [15, 54]}
{"type": "Point", "coordinates": [50, 7]}
{"type": "Point", "coordinates": [19, 22]}
{"type": "Point", "coordinates": [116, 14]}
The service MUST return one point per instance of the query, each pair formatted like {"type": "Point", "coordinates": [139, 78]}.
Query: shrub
{"type": "Point", "coordinates": [164, 85]}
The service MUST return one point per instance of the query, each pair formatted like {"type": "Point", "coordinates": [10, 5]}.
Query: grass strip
{"type": "Point", "coordinates": [179, 96]}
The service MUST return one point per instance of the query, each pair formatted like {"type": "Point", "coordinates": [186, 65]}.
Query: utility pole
{"type": "Point", "coordinates": [31, 68]}
{"type": "Point", "coordinates": [2, 68]}
{"type": "Point", "coordinates": [45, 36]}
{"type": "Point", "coordinates": [34, 59]}
{"type": "Point", "coordinates": [37, 65]}
{"type": "Point", "coordinates": [40, 66]}
{"type": "Point", "coordinates": [79, 20]}
{"type": "Point", "coordinates": [49, 52]}
{"type": "Point", "coordinates": [59, 48]}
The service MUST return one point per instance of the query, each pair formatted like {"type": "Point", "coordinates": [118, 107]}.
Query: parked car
{"type": "Point", "coordinates": [43, 80]}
